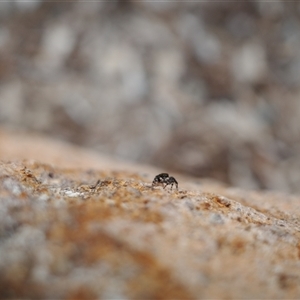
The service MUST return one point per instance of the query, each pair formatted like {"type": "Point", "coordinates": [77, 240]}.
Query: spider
{"type": "Point", "coordinates": [164, 179]}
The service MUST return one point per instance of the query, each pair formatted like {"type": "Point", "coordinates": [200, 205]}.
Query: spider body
{"type": "Point", "coordinates": [164, 179]}
{"type": "Point", "coordinates": [160, 179]}
{"type": "Point", "coordinates": [171, 181]}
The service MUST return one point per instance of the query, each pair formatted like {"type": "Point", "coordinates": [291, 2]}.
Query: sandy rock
{"type": "Point", "coordinates": [75, 225]}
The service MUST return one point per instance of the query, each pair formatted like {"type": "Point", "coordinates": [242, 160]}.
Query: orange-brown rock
{"type": "Point", "coordinates": [91, 228]}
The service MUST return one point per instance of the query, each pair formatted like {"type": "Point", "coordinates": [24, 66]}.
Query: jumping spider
{"type": "Point", "coordinates": [164, 179]}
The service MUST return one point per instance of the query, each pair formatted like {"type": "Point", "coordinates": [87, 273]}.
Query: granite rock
{"type": "Point", "coordinates": [93, 228]}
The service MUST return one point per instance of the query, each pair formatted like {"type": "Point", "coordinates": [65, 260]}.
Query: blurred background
{"type": "Point", "coordinates": [210, 89]}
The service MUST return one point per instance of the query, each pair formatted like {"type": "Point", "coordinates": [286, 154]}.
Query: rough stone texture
{"type": "Point", "coordinates": [101, 232]}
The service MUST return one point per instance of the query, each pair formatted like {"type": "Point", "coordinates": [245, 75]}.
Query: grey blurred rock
{"type": "Point", "coordinates": [249, 63]}
{"type": "Point", "coordinates": [210, 89]}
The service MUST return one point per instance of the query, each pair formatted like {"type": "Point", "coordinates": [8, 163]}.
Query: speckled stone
{"type": "Point", "coordinates": [103, 232]}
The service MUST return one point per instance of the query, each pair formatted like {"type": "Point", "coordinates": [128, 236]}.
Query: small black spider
{"type": "Point", "coordinates": [164, 179]}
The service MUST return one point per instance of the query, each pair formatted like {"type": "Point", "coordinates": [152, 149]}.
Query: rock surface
{"type": "Point", "coordinates": [99, 230]}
